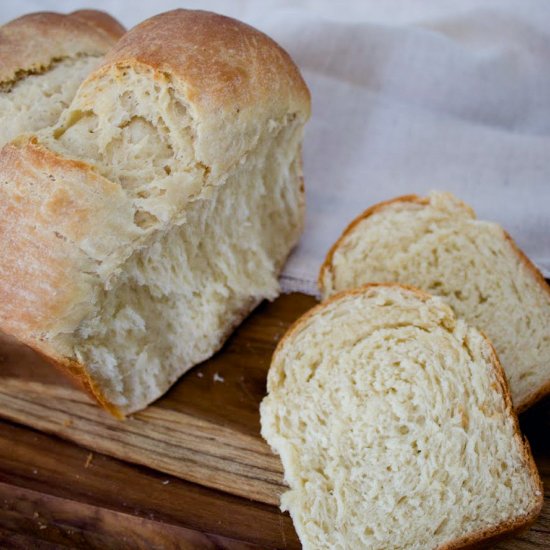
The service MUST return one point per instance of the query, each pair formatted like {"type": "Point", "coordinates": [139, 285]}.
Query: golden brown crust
{"type": "Point", "coordinates": [101, 21]}
{"type": "Point", "coordinates": [78, 374]}
{"type": "Point", "coordinates": [537, 275]}
{"type": "Point", "coordinates": [213, 60]}
{"type": "Point", "coordinates": [492, 533]}
{"type": "Point", "coordinates": [40, 218]}
{"type": "Point", "coordinates": [31, 43]}
{"type": "Point", "coordinates": [536, 396]}
{"type": "Point", "coordinates": [52, 237]}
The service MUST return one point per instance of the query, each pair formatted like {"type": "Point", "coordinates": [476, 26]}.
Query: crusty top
{"type": "Point", "coordinates": [101, 20]}
{"type": "Point", "coordinates": [213, 60]}
{"type": "Point", "coordinates": [32, 42]}
{"type": "Point", "coordinates": [231, 79]}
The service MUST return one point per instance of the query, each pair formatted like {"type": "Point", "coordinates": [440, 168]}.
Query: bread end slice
{"type": "Point", "coordinates": [395, 427]}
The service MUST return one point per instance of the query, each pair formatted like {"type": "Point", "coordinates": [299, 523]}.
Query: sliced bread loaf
{"type": "Point", "coordinates": [44, 57]}
{"type": "Point", "coordinates": [437, 244]}
{"type": "Point", "coordinates": [395, 427]}
{"type": "Point", "coordinates": [137, 233]}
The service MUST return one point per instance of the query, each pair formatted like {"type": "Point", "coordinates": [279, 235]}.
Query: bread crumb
{"type": "Point", "coordinates": [89, 460]}
{"type": "Point", "coordinates": [200, 374]}
{"type": "Point", "coordinates": [67, 422]}
{"type": "Point", "coordinates": [42, 526]}
{"type": "Point", "coordinates": [35, 471]}
{"type": "Point", "coordinates": [166, 482]}
{"type": "Point", "coordinates": [218, 378]}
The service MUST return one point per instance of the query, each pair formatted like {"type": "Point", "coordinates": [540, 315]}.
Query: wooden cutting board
{"type": "Point", "coordinates": [204, 431]}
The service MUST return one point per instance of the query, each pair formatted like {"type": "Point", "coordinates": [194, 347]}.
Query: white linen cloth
{"type": "Point", "coordinates": [408, 96]}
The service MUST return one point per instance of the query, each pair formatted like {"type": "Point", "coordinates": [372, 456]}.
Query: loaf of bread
{"type": "Point", "coordinates": [437, 244]}
{"type": "Point", "coordinates": [395, 427]}
{"type": "Point", "coordinates": [44, 57]}
{"type": "Point", "coordinates": [138, 232]}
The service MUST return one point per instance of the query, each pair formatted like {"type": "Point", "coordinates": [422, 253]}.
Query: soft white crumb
{"type": "Point", "coordinates": [166, 482]}
{"type": "Point", "coordinates": [200, 374]}
{"type": "Point", "coordinates": [218, 378]}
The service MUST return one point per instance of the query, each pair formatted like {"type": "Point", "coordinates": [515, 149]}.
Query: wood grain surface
{"type": "Point", "coordinates": [189, 472]}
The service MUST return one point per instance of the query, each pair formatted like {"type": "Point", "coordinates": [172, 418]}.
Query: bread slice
{"type": "Point", "coordinates": [395, 427]}
{"type": "Point", "coordinates": [437, 244]}
{"type": "Point", "coordinates": [44, 57]}
{"type": "Point", "coordinates": [136, 234]}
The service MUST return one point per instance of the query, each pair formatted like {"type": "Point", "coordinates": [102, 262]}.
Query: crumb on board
{"type": "Point", "coordinates": [89, 460]}
{"type": "Point", "coordinates": [200, 374]}
{"type": "Point", "coordinates": [35, 471]}
{"type": "Point", "coordinates": [166, 482]}
{"type": "Point", "coordinates": [67, 422]}
{"type": "Point", "coordinates": [218, 378]}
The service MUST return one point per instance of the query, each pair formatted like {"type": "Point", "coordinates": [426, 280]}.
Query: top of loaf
{"type": "Point", "coordinates": [31, 43]}
{"type": "Point", "coordinates": [212, 60]}
{"type": "Point", "coordinates": [226, 83]}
